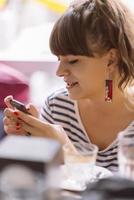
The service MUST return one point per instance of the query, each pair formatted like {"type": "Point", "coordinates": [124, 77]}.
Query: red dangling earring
{"type": "Point", "coordinates": [109, 86]}
{"type": "Point", "coordinates": [108, 90]}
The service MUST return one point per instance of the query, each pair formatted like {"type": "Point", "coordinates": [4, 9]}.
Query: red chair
{"type": "Point", "coordinates": [12, 82]}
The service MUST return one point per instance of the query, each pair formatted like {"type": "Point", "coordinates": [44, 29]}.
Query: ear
{"type": "Point", "coordinates": [113, 58]}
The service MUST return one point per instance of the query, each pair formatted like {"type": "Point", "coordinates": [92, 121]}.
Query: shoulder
{"type": "Point", "coordinates": [59, 93]}
{"type": "Point", "coordinates": [60, 96]}
{"type": "Point", "coordinates": [59, 101]}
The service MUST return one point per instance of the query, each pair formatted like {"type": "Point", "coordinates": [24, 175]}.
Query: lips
{"type": "Point", "coordinates": [71, 84]}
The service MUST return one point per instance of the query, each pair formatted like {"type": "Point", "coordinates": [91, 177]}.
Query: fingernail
{"type": "Point", "coordinates": [17, 128]}
{"type": "Point", "coordinates": [16, 113]}
{"type": "Point", "coordinates": [17, 124]}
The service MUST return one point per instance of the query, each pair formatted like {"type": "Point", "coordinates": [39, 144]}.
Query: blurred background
{"type": "Point", "coordinates": [25, 27]}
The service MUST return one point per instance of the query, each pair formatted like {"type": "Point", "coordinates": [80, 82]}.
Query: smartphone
{"type": "Point", "coordinates": [20, 106]}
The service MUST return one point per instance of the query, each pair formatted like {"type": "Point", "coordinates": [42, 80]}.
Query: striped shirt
{"type": "Point", "coordinates": [61, 110]}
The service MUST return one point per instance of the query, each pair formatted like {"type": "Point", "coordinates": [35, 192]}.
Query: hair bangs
{"type": "Point", "coordinates": [68, 36]}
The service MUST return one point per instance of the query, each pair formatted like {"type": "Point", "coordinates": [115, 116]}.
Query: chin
{"type": "Point", "coordinates": [75, 97]}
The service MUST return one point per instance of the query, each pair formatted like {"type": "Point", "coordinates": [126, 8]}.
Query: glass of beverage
{"type": "Point", "coordinates": [126, 155]}
{"type": "Point", "coordinates": [79, 163]}
{"type": "Point", "coordinates": [72, 156]}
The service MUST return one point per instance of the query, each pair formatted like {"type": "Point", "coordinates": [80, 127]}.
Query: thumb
{"type": "Point", "coordinates": [7, 101]}
{"type": "Point", "coordinates": [33, 110]}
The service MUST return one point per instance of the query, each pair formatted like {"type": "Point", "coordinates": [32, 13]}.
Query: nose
{"type": "Point", "coordinates": [62, 70]}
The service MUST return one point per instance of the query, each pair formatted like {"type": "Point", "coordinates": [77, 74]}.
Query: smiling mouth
{"type": "Point", "coordinates": [71, 84]}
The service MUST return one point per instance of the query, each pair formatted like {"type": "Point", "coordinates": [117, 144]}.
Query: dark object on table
{"type": "Point", "coordinates": [110, 189]}
{"type": "Point", "coordinates": [29, 167]}
{"type": "Point", "coordinates": [39, 154]}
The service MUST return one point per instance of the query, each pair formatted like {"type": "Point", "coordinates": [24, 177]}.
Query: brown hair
{"type": "Point", "coordinates": [96, 26]}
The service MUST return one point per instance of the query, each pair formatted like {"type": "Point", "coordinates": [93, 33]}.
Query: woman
{"type": "Point", "coordinates": [94, 42]}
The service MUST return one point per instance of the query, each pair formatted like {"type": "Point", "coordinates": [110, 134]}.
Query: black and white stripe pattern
{"type": "Point", "coordinates": [59, 109]}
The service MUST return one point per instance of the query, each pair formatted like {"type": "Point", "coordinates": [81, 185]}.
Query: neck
{"type": "Point", "coordinates": [100, 105]}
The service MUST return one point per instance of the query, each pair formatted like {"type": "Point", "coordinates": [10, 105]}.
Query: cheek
{"type": "Point", "coordinates": [93, 81]}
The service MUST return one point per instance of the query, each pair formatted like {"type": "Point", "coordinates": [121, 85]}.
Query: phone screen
{"type": "Point", "coordinates": [20, 106]}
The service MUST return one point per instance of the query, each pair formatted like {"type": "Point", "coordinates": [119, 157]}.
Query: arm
{"type": "Point", "coordinates": [31, 123]}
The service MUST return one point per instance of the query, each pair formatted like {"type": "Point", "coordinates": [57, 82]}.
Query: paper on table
{"type": "Point", "coordinates": [69, 182]}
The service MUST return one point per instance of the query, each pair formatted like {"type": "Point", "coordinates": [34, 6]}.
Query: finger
{"type": "Point", "coordinates": [31, 120]}
{"type": "Point", "coordinates": [14, 128]}
{"type": "Point", "coordinates": [10, 129]}
{"type": "Point", "coordinates": [32, 130]}
{"type": "Point", "coordinates": [10, 121]}
{"type": "Point", "coordinates": [6, 121]}
{"type": "Point", "coordinates": [8, 112]}
{"type": "Point", "coordinates": [7, 101]}
{"type": "Point", "coordinates": [11, 114]}
{"type": "Point", "coordinates": [33, 110]}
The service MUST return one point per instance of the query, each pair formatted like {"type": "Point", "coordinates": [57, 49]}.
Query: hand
{"type": "Point", "coordinates": [33, 125]}
{"type": "Point", "coordinates": [12, 123]}
{"type": "Point", "coordinates": [19, 123]}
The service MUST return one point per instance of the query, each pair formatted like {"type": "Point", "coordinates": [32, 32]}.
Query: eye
{"type": "Point", "coordinates": [73, 61]}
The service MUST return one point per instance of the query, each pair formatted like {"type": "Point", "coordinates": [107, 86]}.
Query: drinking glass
{"type": "Point", "coordinates": [79, 163]}
{"type": "Point", "coordinates": [126, 155]}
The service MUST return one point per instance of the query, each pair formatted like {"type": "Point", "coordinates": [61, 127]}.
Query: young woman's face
{"type": "Point", "coordinates": [84, 76]}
